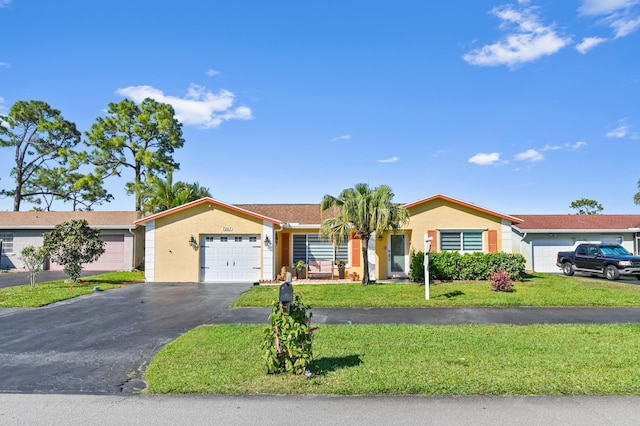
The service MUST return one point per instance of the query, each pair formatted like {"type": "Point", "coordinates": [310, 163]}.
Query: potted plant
{"type": "Point", "coordinates": [299, 267]}
{"type": "Point", "coordinates": [341, 264]}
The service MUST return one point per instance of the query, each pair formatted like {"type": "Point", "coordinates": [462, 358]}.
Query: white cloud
{"type": "Point", "coordinates": [589, 43]}
{"type": "Point", "coordinates": [212, 72]}
{"type": "Point", "coordinates": [483, 159]}
{"type": "Point", "coordinates": [574, 146]}
{"type": "Point", "coordinates": [530, 155]}
{"type": "Point", "coordinates": [5, 3]}
{"type": "Point", "coordinates": [528, 39]}
{"type": "Point", "coordinates": [621, 130]}
{"type": "Point", "coordinates": [199, 107]}
{"type": "Point", "coordinates": [548, 147]}
{"type": "Point", "coordinates": [602, 7]}
{"type": "Point", "coordinates": [625, 26]}
{"type": "Point", "coordinates": [393, 159]}
{"type": "Point", "coordinates": [4, 65]}
{"type": "Point", "coordinates": [622, 16]}
{"type": "Point", "coordinates": [341, 138]}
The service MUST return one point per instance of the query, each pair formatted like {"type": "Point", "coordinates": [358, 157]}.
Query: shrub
{"type": "Point", "coordinates": [501, 281]}
{"type": "Point", "coordinates": [287, 341]}
{"type": "Point", "coordinates": [448, 266]}
{"type": "Point", "coordinates": [416, 266]}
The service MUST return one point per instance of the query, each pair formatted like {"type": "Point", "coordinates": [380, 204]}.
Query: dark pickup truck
{"type": "Point", "coordinates": [611, 260]}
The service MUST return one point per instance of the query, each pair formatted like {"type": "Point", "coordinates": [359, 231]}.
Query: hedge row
{"type": "Point", "coordinates": [451, 265]}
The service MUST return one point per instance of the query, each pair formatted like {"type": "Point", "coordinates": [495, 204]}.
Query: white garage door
{"type": "Point", "coordinates": [111, 260]}
{"type": "Point", "coordinates": [545, 253]}
{"type": "Point", "coordinates": [230, 258]}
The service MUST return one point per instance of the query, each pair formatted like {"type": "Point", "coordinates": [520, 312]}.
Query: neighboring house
{"type": "Point", "coordinates": [124, 244]}
{"type": "Point", "coordinates": [211, 241]}
{"type": "Point", "coordinates": [540, 237]}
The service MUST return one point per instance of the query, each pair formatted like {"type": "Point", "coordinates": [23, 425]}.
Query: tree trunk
{"type": "Point", "coordinates": [365, 259]}
{"type": "Point", "coordinates": [17, 197]}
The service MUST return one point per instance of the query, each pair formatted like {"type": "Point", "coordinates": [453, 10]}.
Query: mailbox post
{"type": "Point", "coordinates": [286, 293]}
{"type": "Point", "coordinates": [427, 248]}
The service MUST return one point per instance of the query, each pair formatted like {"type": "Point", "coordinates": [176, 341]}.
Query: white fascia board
{"type": "Point", "coordinates": [301, 226]}
{"type": "Point", "coordinates": [573, 231]}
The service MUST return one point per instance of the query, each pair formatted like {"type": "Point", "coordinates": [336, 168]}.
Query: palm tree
{"type": "Point", "coordinates": [365, 211]}
{"type": "Point", "coordinates": [162, 195]}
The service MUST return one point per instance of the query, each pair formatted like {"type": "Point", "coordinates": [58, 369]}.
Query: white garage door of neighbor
{"type": "Point", "coordinates": [230, 258]}
{"type": "Point", "coordinates": [111, 260]}
{"type": "Point", "coordinates": [545, 253]}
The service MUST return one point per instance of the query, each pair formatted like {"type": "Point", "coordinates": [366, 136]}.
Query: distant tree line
{"type": "Point", "coordinates": [54, 162]}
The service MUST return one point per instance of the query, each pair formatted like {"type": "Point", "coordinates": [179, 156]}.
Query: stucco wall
{"type": "Point", "coordinates": [443, 214]}
{"type": "Point", "coordinates": [174, 259]}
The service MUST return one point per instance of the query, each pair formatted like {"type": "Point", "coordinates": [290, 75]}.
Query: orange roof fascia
{"type": "Point", "coordinates": [204, 201]}
{"type": "Point", "coordinates": [465, 204]}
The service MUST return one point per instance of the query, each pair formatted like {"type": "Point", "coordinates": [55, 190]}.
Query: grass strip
{"type": "Point", "coordinates": [410, 359]}
{"type": "Point", "coordinates": [23, 296]}
{"type": "Point", "coordinates": [537, 290]}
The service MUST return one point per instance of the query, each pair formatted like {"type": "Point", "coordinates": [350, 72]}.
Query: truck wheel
{"type": "Point", "coordinates": [567, 269]}
{"type": "Point", "coordinates": [611, 273]}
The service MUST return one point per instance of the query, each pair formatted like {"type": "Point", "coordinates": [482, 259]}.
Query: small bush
{"type": "Point", "coordinates": [416, 266]}
{"type": "Point", "coordinates": [501, 281]}
{"type": "Point", "coordinates": [287, 341]}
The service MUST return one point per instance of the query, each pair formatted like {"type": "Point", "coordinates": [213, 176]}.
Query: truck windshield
{"type": "Point", "coordinates": [614, 250]}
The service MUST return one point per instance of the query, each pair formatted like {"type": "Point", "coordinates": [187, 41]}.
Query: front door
{"type": "Point", "coordinates": [397, 256]}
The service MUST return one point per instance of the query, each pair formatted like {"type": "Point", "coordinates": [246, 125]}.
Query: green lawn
{"type": "Point", "coordinates": [536, 290]}
{"type": "Point", "coordinates": [410, 359]}
{"type": "Point", "coordinates": [23, 296]}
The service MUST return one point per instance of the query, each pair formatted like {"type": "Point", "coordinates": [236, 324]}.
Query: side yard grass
{"type": "Point", "coordinates": [23, 296]}
{"type": "Point", "coordinates": [535, 290]}
{"type": "Point", "coordinates": [410, 360]}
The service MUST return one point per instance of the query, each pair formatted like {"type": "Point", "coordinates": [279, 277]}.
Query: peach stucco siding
{"type": "Point", "coordinates": [175, 260]}
{"type": "Point", "coordinates": [441, 214]}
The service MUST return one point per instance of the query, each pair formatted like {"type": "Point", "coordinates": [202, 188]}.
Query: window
{"type": "Point", "coordinates": [308, 247]}
{"type": "Point", "coordinates": [461, 241]}
{"type": "Point", "coordinates": [7, 242]}
{"type": "Point", "coordinates": [237, 239]}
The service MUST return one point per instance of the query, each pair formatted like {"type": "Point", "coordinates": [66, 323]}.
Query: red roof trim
{"type": "Point", "coordinates": [204, 201]}
{"type": "Point", "coordinates": [465, 204]}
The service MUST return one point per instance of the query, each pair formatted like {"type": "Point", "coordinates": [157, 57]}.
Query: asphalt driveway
{"type": "Point", "coordinates": [101, 343]}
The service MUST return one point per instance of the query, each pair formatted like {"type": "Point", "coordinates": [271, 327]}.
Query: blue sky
{"type": "Point", "coordinates": [517, 106]}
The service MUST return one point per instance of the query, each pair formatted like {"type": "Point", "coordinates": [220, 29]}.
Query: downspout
{"type": "Point", "coordinates": [133, 263]}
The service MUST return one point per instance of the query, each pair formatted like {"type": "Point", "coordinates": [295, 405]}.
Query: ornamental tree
{"type": "Point", "coordinates": [72, 244]}
{"type": "Point", "coordinates": [33, 259]}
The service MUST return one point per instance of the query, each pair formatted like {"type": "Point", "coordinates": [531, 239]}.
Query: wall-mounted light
{"type": "Point", "coordinates": [193, 243]}
{"type": "Point", "coordinates": [267, 241]}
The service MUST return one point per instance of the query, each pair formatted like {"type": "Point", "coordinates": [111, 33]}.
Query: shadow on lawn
{"type": "Point", "coordinates": [325, 365]}
{"type": "Point", "coordinates": [450, 295]}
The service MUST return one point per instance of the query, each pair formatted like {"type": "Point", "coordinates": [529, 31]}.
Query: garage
{"type": "Point", "coordinates": [545, 253]}
{"type": "Point", "coordinates": [230, 258]}
{"type": "Point", "coordinates": [111, 260]}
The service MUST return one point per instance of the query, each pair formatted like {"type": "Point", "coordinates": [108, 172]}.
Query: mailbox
{"type": "Point", "coordinates": [286, 293]}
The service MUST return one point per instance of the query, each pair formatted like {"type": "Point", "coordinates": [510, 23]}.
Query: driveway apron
{"type": "Point", "coordinates": [101, 343]}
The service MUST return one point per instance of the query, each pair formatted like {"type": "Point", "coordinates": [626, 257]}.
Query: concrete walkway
{"type": "Point", "coordinates": [445, 316]}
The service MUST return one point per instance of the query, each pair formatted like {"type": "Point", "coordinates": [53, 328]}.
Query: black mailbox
{"type": "Point", "coordinates": [286, 292]}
